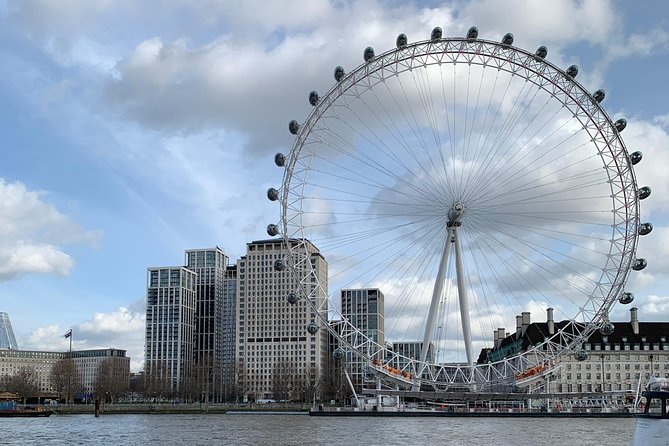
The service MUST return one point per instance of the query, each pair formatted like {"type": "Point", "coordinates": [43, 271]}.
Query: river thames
{"type": "Point", "coordinates": [255, 429]}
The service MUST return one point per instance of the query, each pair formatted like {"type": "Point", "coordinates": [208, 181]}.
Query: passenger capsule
{"type": "Point", "coordinates": [639, 264]}
{"type": "Point", "coordinates": [620, 124]}
{"type": "Point", "coordinates": [599, 95]}
{"type": "Point", "coordinates": [312, 328]}
{"type": "Point", "coordinates": [645, 228]}
{"type": "Point", "coordinates": [581, 355]}
{"type": "Point", "coordinates": [401, 40]}
{"type": "Point", "coordinates": [339, 73]}
{"type": "Point", "coordinates": [507, 39]}
{"type": "Point", "coordinates": [338, 353]}
{"type": "Point", "coordinates": [607, 328]}
{"type": "Point", "coordinates": [272, 229]}
{"type": "Point", "coordinates": [293, 127]}
{"type": "Point", "coordinates": [313, 98]}
{"type": "Point", "coordinates": [279, 265]}
{"type": "Point", "coordinates": [368, 54]}
{"type": "Point", "coordinates": [635, 157]}
{"type": "Point", "coordinates": [291, 298]}
{"type": "Point", "coordinates": [272, 194]}
{"type": "Point", "coordinates": [542, 52]}
{"type": "Point", "coordinates": [572, 71]}
{"type": "Point", "coordinates": [436, 34]}
{"type": "Point", "coordinates": [280, 159]}
{"type": "Point", "coordinates": [644, 192]}
{"type": "Point", "coordinates": [626, 298]}
{"type": "Point", "coordinates": [473, 33]}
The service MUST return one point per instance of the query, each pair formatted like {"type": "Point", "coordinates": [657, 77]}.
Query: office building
{"type": "Point", "coordinates": [7, 339]}
{"type": "Point", "coordinates": [623, 361]}
{"type": "Point", "coordinates": [364, 310]}
{"type": "Point", "coordinates": [276, 355]}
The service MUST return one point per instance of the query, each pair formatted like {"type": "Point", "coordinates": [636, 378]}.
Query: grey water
{"type": "Point", "coordinates": [252, 429]}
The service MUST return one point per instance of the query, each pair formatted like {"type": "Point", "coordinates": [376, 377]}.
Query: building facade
{"type": "Point", "coordinates": [229, 332]}
{"type": "Point", "coordinates": [276, 356]}
{"type": "Point", "coordinates": [623, 361]}
{"type": "Point", "coordinates": [7, 339]}
{"type": "Point", "coordinates": [170, 325]}
{"type": "Point", "coordinates": [86, 362]}
{"type": "Point", "coordinates": [210, 267]}
{"type": "Point", "coordinates": [363, 308]}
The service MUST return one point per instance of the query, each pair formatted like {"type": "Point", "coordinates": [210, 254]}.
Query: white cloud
{"type": "Point", "coordinates": [122, 328]}
{"type": "Point", "coordinates": [31, 233]}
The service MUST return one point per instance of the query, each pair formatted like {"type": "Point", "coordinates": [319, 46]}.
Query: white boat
{"type": "Point", "coordinates": [652, 425]}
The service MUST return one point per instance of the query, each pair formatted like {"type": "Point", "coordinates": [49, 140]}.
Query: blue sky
{"type": "Point", "coordinates": [135, 130]}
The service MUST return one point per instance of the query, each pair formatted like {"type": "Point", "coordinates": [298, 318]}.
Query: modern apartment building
{"type": "Point", "coordinates": [210, 267]}
{"type": "Point", "coordinates": [276, 355]}
{"type": "Point", "coordinates": [229, 331]}
{"type": "Point", "coordinates": [170, 325]}
{"type": "Point", "coordinates": [7, 339]}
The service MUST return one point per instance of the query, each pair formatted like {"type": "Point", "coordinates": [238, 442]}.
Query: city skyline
{"type": "Point", "coordinates": [127, 145]}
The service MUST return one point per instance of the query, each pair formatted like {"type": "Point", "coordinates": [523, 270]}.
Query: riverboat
{"type": "Point", "coordinates": [10, 409]}
{"type": "Point", "coordinates": [652, 425]}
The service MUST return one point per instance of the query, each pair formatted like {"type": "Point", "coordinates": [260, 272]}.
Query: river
{"type": "Point", "coordinates": [299, 430]}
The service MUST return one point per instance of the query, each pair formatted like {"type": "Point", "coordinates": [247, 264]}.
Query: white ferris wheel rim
{"type": "Point", "coordinates": [562, 88]}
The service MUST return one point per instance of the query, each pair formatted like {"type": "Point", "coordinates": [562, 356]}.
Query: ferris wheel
{"type": "Point", "coordinates": [469, 181]}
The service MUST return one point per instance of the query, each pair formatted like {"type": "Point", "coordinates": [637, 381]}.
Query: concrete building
{"type": "Point", "coordinates": [274, 349]}
{"type": "Point", "coordinates": [364, 309]}
{"type": "Point", "coordinates": [170, 324]}
{"type": "Point", "coordinates": [11, 361]}
{"type": "Point", "coordinates": [621, 362]}
{"type": "Point", "coordinates": [210, 268]}
{"type": "Point", "coordinates": [7, 339]}
{"type": "Point", "coordinates": [87, 363]}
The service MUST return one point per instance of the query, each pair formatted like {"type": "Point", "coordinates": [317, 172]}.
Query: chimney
{"type": "Point", "coordinates": [526, 319]}
{"type": "Point", "coordinates": [495, 339]}
{"type": "Point", "coordinates": [519, 325]}
{"type": "Point", "coordinates": [498, 336]}
{"type": "Point", "coordinates": [549, 321]}
{"type": "Point", "coordinates": [634, 320]}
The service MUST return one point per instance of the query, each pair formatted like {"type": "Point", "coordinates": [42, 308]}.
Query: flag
{"type": "Point", "coordinates": [68, 334]}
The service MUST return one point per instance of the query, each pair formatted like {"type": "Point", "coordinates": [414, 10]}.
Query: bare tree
{"type": "Point", "coordinates": [112, 380]}
{"type": "Point", "coordinates": [284, 379]}
{"type": "Point", "coordinates": [66, 379]}
{"type": "Point", "coordinates": [24, 383]}
{"type": "Point", "coordinates": [158, 384]}
{"type": "Point", "coordinates": [242, 384]}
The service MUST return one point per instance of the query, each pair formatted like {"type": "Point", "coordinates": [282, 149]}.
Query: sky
{"type": "Point", "coordinates": [135, 130]}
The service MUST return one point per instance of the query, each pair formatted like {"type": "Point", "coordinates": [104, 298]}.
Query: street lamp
{"type": "Point", "coordinates": [602, 357]}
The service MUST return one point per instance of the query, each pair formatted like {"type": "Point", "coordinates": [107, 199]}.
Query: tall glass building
{"type": "Point", "coordinates": [7, 339]}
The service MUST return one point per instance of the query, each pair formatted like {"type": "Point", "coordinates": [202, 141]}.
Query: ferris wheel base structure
{"type": "Point", "coordinates": [465, 156]}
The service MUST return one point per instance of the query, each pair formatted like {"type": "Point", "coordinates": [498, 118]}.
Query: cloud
{"type": "Point", "coordinates": [31, 233]}
{"type": "Point", "coordinates": [122, 328]}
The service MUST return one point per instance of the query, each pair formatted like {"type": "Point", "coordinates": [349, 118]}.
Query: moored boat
{"type": "Point", "coordinates": [9, 409]}
{"type": "Point", "coordinates": [652, 425]}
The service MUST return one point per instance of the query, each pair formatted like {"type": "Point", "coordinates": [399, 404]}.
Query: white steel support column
{"type": "Point", "coordinates": [434, 303]}
{"type": "Point", "coordinates": [462, 296]}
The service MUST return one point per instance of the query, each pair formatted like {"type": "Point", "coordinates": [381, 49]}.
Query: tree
{"type": "Point", "coordinates": [24, 383]}
{"type": "Point", "coordinates": [158, 384]}
{"type": "Point", "coordinates": [283, 379]}
{"type": "Point", "coordinates": [113, 379]}
{"type": "Point", "coordinates": [242, 384]}
{"type": "Point", "coordinates": [66, 379]}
